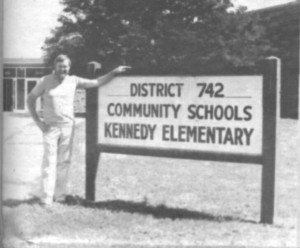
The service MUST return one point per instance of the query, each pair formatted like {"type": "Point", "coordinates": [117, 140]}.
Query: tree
{"type": "Point", "coordinates": [162, 36]}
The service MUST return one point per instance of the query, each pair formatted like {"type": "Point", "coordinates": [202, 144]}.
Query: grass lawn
{"type": "Point", "coordinates": [160, 201]}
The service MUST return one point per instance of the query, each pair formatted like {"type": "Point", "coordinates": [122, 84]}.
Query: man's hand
{"type": "Point", "coordinates": [121, 69]}
{"type": "Point", "coordinates": [100, 81]}
{"type": "Point", "coordinates": [43, 126]}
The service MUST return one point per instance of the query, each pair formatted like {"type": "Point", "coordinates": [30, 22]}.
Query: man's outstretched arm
{"type": "Point", "coordinates": [84, 83]}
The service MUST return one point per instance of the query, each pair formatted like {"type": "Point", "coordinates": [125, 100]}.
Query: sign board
{"type": "Point", "coordinates": [216, 118]}
{"type": "Point", "coordinates": [215, 114]}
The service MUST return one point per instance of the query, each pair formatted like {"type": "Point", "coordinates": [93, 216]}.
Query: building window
{"type": "Point", "coordinates": [18, 80]}
{"type": "Point", "coordinates": [30, 85]}
{"type": "Point", "coordinates": [8, 92]}
{"type": "Point", "coordinates": [35, 72]}
{"type": "Point", "coordinates": [9, 72]}
{"type": "Point", "coordinates": [20, 94]}
{"type": "Point", "coordinates": [20, 72]}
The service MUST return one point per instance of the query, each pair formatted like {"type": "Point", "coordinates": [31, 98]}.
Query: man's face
{"type": "Point", "coordinates": [62, 69]}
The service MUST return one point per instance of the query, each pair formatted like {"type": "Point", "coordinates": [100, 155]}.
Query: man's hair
{"type": "Point", "coordinates": [62, 58]}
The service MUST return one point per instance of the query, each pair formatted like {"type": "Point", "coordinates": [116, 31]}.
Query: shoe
{"type": "Point", "coordinates": [47, 205]}
{"type": "Point", "coordinates": [60, 199]}
{"type": "Point", "coordinates": [46, 202]}
{"type": "Point", "coordinates": [73, 200]}
{"type": "Point", "coordinates": [69, 200]}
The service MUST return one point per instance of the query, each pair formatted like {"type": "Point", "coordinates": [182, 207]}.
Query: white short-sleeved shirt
{"type": "Point", "coordinates": [58, 98]}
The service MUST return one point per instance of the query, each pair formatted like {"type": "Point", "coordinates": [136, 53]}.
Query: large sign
{"type": "Point", "coordinates": [215, 118]}
{"type": "Point", "coordinates": [215, 114]}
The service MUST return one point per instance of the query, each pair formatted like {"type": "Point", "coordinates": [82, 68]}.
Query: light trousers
{"type": "Point", "coordinates": [56, 162]}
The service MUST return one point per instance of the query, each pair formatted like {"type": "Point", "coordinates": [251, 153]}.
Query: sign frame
{"type": "Point", "coordinates": [268, 69]}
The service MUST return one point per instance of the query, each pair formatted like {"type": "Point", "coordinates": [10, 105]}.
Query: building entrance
{"type": "Point", "coordinates": [20, 77]}
{"type": "Point", "coordinates": [15, 93]}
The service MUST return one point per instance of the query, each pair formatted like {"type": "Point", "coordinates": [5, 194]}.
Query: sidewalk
{"type": "Point", "coordinates": [22, 157]}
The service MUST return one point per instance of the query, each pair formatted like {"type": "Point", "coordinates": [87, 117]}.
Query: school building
{"type": "Point", "coordinates": [19, 78]}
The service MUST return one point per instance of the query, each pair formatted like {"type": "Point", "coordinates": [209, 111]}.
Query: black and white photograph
{"type": "Point", "coordinates": [150, 123]}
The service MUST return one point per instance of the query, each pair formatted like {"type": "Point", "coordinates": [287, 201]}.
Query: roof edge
{"type": "Point", "coordinates": [279, 6]}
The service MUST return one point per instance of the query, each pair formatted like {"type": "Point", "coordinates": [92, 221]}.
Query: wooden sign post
{"type": "Point", "coordinates": [229, 118]}
{"type": "Point", "coordinates": [91, 132]}
{"type": "Point", "coordinates": [269, 141]}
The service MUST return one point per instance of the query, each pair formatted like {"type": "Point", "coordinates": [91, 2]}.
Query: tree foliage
{"type": "Point", "coordinates": [166, 36]}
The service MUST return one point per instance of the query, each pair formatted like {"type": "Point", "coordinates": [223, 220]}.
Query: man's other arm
{"type": "Point", "coordinates": [31, 105]}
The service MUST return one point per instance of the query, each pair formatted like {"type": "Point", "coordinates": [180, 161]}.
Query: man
{"type": "Point", "coordinates": [58, 92]}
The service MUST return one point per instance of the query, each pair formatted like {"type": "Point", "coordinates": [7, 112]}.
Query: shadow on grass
{"type": "Point", "coordinates": [15, 202]}
{"type": "Point", "coordinates": [159, 212]}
